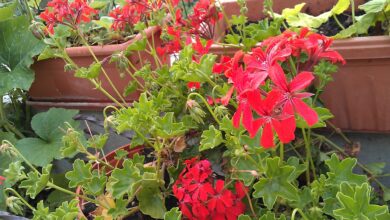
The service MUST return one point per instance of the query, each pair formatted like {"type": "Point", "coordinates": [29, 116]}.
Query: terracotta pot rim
{"type": "Point", "coordinates": [108, 49]}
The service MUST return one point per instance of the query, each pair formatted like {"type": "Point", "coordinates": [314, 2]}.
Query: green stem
{"type": "Point", "coordinates": [338, 22]}
{"type": "Point", "coordinates": [207, 105]}
{"type": "Point", "coordinates": [308, 156]}
{"type": "Point", "coordinates": [339, 149]}
{"type": "Point", "coordinates": [20, 197]}
{"type": "Point", "coordinates": [300, 212]}
{"type": "Point", "coordinates": [281, 151]}
{"type": "Point", "coordinates": [52, 185]}
{"type": "Point", "coordinates": [353, 11]}
{"type": "Point", "coordinates": [4, 119]}
{"type": "Point", "coordinates": [103, 70]}
{"type": "Point", "coordinates": [21, 156]}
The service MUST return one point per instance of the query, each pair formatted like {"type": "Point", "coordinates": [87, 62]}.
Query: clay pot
{"type": "Point", "coordinates": [110, 158]}
{"type": "Point", "coordinates": [53, 87]}
{"type": "Point", "coordinates": [359, 96]}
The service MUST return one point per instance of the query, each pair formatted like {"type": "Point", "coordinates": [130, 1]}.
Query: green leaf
{"type": "Point", "coordinates": [120, 208]}
{"type": "Point", "coordinates": [104, 21]}
{"type": "Point", "coordinates": [99, 4]}
{"type": "Point", "coordinates": [210, 138]}
{"type": "Point", "coordinates": [277, 183]}
{"type": "Point", "coordinates": [341, 6]}
{"type": "Point", "coordinates": [96, 185]}
{"type": "Point", "coordinates": [80, 174]}
{"type": "Point", "coordinates": [271, 216]}
{"type": "Point", "coordinates": [7, 12]}
{"type": "Point", "coordinates": [17, 48]}
{"type": "Point", "coordinates": [151, 201]}
{"type": "Point", "coordinates": [92, 72]}
{"type": "Point", "coordinates": [35, 183]}
{"type": "Point", "coordinates": [41, 151]}
{"type": "Point", "coordinates": [121, 181]}
{"type": "Point", "coordinates": [130, 88]}
{"type": "Point", "coordinates": [341, 171]}
{"type": "Point", "coordinates": [323, 115]}
{"type": "Point", "coordinates": [374, 6]}
{"type": "Point", "coordinates": [137, 45]}
{"type": "Point", "coordinates": [98, 141]}
{"type": "Point", "coordinates": [14, 173]}
{"type": "Point", "coordinates": [67, 211]}
{"type": "Point", "coordinates": [355, 203]}
{"type": "Point", "coordinates": [173, 214]}
{"type": "Point", "coordinates": [42, 212]}
{"type": "Point", "coordinates": [376, 168]}
{"type": "Point", "coordinates": [167, 128]}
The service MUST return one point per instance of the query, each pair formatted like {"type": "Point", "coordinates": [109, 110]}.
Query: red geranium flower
{"type": "Point", "coordinates": [272, 118]}
{"type": "Point", "coordinates": [292, 95]}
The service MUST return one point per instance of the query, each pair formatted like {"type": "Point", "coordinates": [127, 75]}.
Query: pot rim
{"type": "Point", "coordinates": [108, 49]}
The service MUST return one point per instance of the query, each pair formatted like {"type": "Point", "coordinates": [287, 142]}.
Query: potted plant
{"type": "Point", "coordinates": [89, 33]}
{"type": "Point", "coordinates": [228, 139]}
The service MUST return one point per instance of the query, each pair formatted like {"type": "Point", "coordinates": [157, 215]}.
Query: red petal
{"type": "Point", "coordinates": [305, 111]}
{"type": "Point", "coordinates": [267, 138]}
{"type": "Point", "coordinates": [225, 100]}
{"type": "Point", "coordinates": [277, 76]}
{"type": "Point", "coordinates": [301, 81]}
{"type": "Point", "coordinates": [285, 129]}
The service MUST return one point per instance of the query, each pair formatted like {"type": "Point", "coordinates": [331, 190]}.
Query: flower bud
{"type": "Point", "coordinates": [37, 29]}
{"type": "Point", "coordinates": [15, 205]}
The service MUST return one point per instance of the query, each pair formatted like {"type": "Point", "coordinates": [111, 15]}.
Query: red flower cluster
{"type": "Point", "coordinates": [1, 180]}
{"type": "Point", "coordinates": [200, 23]}
{"type": "Point", "coordinates": [275, 109]}
{"type": "Point", "coordinates": [130, 14]}
{"type": "Point", "coordinates": [201, 199]}
{"type": "Point", "coordinates": [60, 12]}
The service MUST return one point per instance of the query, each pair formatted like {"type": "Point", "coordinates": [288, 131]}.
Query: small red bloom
{"type": "Point", "coordinates": [1, 180]}
{"type": "Point", "coordinates": [198, 46]}
{"type": "Point", "coordinates": [193, 85]}
{"type": "Point", "coordinates": [201, 198]}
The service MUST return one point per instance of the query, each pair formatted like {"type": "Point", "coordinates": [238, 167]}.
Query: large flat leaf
{"type": "Point", "coordinates": [42, 150]}
{"type": "Point", "coordinates": [7, 10]}
{"type": "Point", "coordinates": [17, 48]}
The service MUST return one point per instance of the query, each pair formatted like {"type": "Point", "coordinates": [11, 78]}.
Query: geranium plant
{"type": "Point", "coordinates": [214, 137]}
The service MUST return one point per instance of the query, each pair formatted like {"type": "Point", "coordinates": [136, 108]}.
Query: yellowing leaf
{"type": "Point", "coordinates": [341, 6]}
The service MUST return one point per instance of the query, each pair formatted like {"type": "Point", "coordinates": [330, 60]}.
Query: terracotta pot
{"type": "Point", "coordinates": [110, 158]}
{"type": "Point", "coordinates": [359, 96]}
{"type": "Point", "coordinates": [55, 87]}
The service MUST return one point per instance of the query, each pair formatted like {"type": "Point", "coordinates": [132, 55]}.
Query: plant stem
{"type": "Point", "coordinates": [339, 149]}
{"type": "Point", "coordinates": [281, 151]}
{"type": "Point", "coordinates": [103, 70]}
{"type": "Point", "coordinates": [86, 198]}
{"type": "Point", "coordinates": [308, 155]}
{"type": "Point", "coordinates": [20, 197]}
{"type": "Point", "coordinates": [300, 212]}
{"type": "Point", "coordinates": [21, 156]}
{"type": "Point", "coordinates": [338, 22]}
{"type": "Point", "coordinates": [353, 11]}
{"type": "Point", "coordinates": [4, 119]}
{"type": "Point", "coordinates": [207, 105]}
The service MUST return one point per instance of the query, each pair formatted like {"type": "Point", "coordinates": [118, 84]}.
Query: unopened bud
{"type": "Point", "coordinates": [15, 205]}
